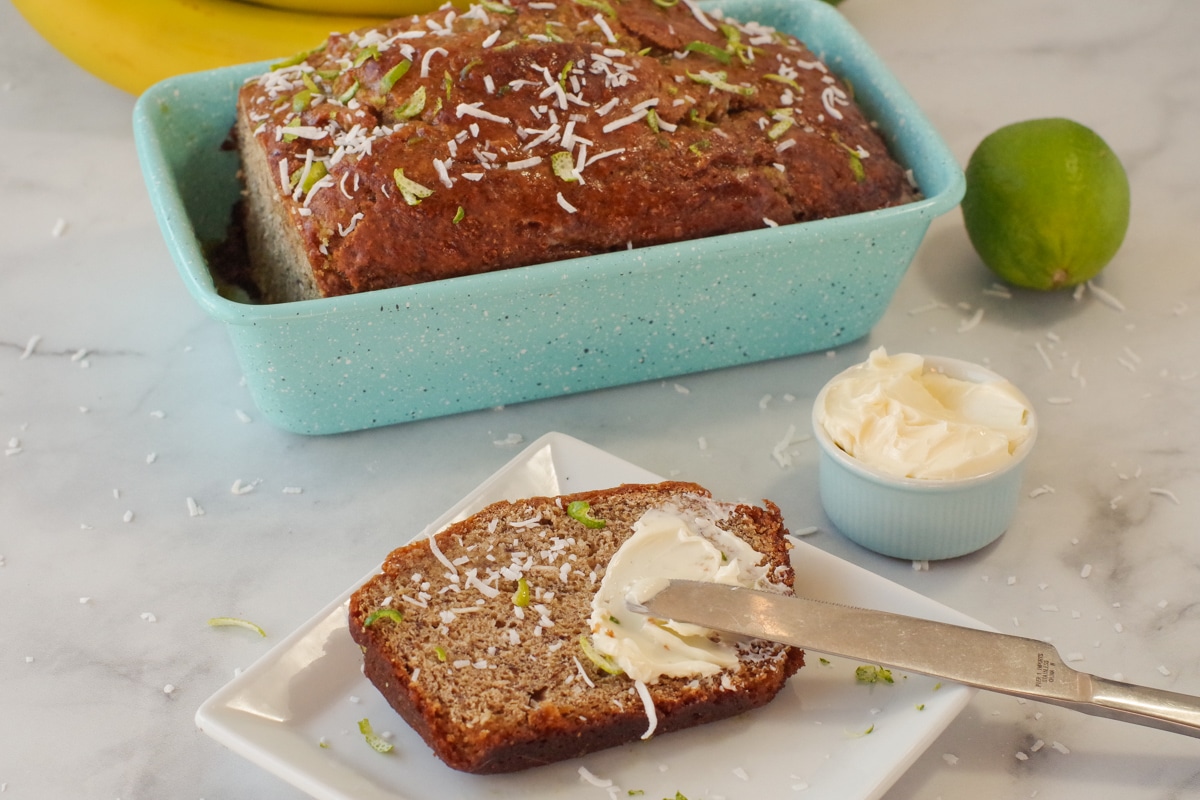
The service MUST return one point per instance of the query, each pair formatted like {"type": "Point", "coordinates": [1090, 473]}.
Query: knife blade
{"type": "Point", "coordinates": [995, 662]}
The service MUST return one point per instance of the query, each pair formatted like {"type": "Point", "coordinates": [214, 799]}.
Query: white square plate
{"type": "Point", "coordinates": [295, 712]}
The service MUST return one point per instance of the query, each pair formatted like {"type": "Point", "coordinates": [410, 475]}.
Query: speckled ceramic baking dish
{"type": "Point", "coordinates": [348, 363]}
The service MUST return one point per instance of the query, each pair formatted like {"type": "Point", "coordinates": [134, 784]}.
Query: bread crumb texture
{"type": "Point", "coordinates": [493, 686]}
{"type": "Point", "coordinates": [505, 135]}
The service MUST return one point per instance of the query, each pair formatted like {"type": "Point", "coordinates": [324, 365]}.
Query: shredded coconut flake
{"type": "Point", "coordinates": [700, 16]}
{"type": "Point", "coordinates": [608, 32]}
{"type": "Point", "coordinates": [629, 119]}
{"type": "Point", "coordinates": [1104, 297]}
{"type": "Point", "coordinates": [475, 110]}
{"type": "Point", "coordinates": [971, 322]}
{"type": "Point", "coordinates": [440, 556]}
{"type": "Point", "coordinates": [30, 347]}
{"type": "Point", "coordinates": [583, 674]}
{"type": "Point", "coordinates": [648, 704]}
{"type": "Point", "coordinates": [587, 776]}
{"type": "Point", "coordinates": [1167, 493]}
{"type": "Point", "coordinates": [429, 54]}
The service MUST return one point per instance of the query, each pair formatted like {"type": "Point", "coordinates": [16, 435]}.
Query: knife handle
{"type": "Point", "coordinates": [1154, 708]}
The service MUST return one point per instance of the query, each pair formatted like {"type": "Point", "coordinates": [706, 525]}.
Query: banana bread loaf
{"type": "Point", "coordinates": [487, 643]}
{"type": "Point", "coordinates": [522, 132]}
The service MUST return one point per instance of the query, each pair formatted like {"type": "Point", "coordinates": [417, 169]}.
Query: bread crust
{"type": "Point", "coordinates": [673, 125]}
{"type": "Point", "coordinates": [494, 701]}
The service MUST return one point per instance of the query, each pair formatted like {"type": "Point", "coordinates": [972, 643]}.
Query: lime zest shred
{"type": "Point", "coordinates": [920, 706]}
{"type": "Point", "coordinates": [366, 54]}
{"type": "Point", "coordinates": [298, 58]}
{"type": "Point", "coordinates": [447, 83]}
{"type": "Point", "coordinates": [411, 107]}
{"type": "Point", "coordinates": [780, 128]}
{"type": "Point", "coordinates": [700, 122]}
{"type": "Point", "coordinates": [382, 613]}
{"type": "Point", "coordinates": [301, 99]}
{"type": "Point", "coordinates": [869, 674]}
{"type": "Point", "coordinates": [316, 171]}
{"type": "Point", "coordinates": [666, 3]}
{"type": "Point", "coordinates": [786, 81]}
{"type": "Point", "coordinates": [710, 50]}
{"type": "Point", "coordinates": [290, 61]}
{"type": "Point", "coordinates": [744, 52]}
{"type": "Point", "coordinates": [393, 75]}
{"type": "Point", "coordinates": [552, 35]}
{"type": "Point", "coordinates": [599, 5]}
{"type": "Point", "coordinates": [458, 215]}
{"type": "Point", "coordinates": [348, 95]}
{"type": "Point", "coordinates": [522, 597]}
{"type": "Point", "coordinates": [603, 662]}
{"type": "Point", "coordinates": [652, 119]}
{"type": "Point", "coordinates": [860, 734]}
{"type": "Point", "coordinates": [498, 8]}
{"type": "Point", "coordinates": [563, 164]}
{"type": "Point", "coordinates": [412, 191]}
{"type": "Point", "coordinates": [856, 166]}
{"type": "Point", "coordinates": [440, 652]}
{"type": "Point", "coordinates": [378, 744]}
{"type": "Point", "coordinates": [717, 80]}
{"type": "Point", "coordinates": [580, 511]}
{"type": "Point", "coordinates": [565, 72]}
{"type": "Point", "coordinates": [825, 662]}
{"type": "Point", "coordinates": [470, 65]}
{"type": "Point", "coordinates": [295, 120]}
{"type": "Point", "coordinates": [235, 622]}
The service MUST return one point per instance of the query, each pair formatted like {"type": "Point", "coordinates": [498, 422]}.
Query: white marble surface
{"type": "Point", "coordinates": [119, 400]}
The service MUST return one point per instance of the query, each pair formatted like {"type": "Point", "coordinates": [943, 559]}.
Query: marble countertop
{"type": "Point", "coordinates": [121, 402]}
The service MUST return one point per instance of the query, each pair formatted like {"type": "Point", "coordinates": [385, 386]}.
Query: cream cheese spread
{"type": "Point", "coordinates": [892, 414]}
{"type": "Point", "coordinates": [668, 543]}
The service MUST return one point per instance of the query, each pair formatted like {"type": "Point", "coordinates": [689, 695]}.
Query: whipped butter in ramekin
{"type": "Point", "coordinates": [921, 457]}
{"type": "Point", "coordinates": [893, 414]}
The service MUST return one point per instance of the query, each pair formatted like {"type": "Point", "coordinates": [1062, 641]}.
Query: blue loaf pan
{"type": "Point", "coordinates": [415, 352]}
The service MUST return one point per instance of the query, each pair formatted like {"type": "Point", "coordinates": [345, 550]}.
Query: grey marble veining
{"type": "Point", "coordinates": [120, 402]}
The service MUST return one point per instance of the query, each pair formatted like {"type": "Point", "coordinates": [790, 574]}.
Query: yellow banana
{"type": "Point", "coordinates": [383, 8]}
{"type": "Point", "coordinates": [133, 44]}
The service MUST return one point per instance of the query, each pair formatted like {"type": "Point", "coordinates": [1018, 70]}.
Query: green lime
{"type": "Point", "coordinates": [1047, 203]}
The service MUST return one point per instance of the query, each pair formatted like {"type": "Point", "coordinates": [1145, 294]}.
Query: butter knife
{"type": "Point", "coordinates": [995, 662]}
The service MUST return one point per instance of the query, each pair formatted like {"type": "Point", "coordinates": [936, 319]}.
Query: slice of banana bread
{"type": "Point", "coordinates": [481, 650]}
